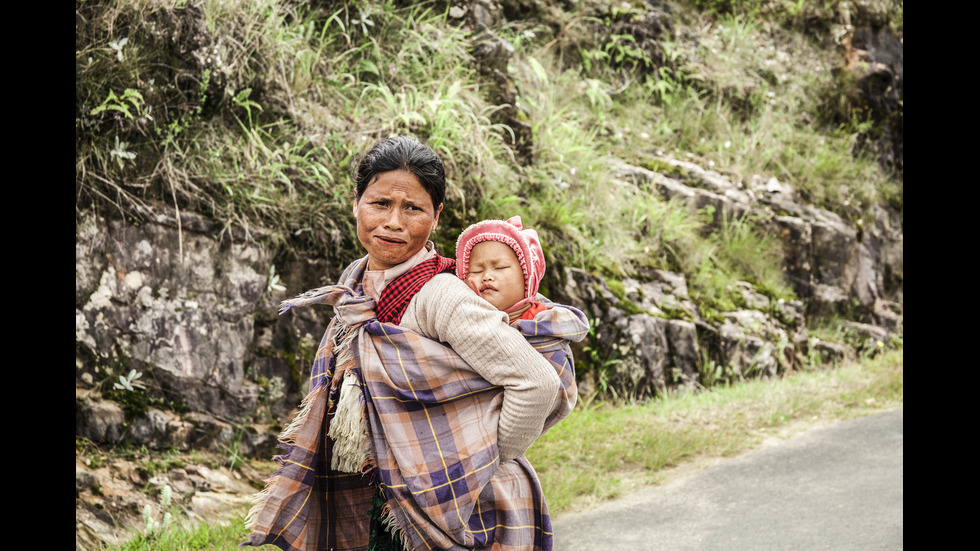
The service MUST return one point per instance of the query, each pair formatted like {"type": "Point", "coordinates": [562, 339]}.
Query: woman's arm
{"type": "Point", "coordinates": [444, 309]}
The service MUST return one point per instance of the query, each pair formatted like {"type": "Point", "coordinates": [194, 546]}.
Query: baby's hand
{"type": "Point", "coordinates": [474, 286]}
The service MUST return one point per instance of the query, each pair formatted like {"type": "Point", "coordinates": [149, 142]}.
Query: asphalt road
{"type": "Point", "coordinates": [838, 487]}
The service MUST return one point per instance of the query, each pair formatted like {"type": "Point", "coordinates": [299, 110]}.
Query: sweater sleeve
{"type": "Point", "coordinates": [446, 310]}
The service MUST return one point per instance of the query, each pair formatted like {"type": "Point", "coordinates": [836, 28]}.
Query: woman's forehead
{"type": "Point", "coordinates": [398, 183]}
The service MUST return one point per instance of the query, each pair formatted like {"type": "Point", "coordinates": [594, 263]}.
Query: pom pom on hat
{"type": "Point", "coordinates": [524, 242]}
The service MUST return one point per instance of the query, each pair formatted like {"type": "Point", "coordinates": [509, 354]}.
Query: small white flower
{"type": "Point", "coordinates": [728, 143]}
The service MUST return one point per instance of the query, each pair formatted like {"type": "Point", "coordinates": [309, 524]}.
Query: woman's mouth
{"type": "Point", "coordinates": [389, 241]}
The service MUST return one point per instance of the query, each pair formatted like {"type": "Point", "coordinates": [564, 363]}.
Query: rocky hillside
{"type": "Point", "coordinates": [178, 343]}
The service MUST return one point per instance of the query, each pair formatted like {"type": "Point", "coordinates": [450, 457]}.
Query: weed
{"type": "Point", "coordinates": [121, 104]}
{"type": "Point", "coordinates": [233, 450]}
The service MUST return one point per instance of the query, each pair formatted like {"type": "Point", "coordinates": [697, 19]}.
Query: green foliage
{"type": "Point", "coordinates": [234, 456]}
{"type": "Point", "coordinates": [598, 362]}
{"type": "Point", "coordinates": [148, 466]}
{"type": "Point", "coordinates": [121, 104]}
{"type": "Point", "coordinates": [128, 392]}
{"type": "Point", "coordinates": [220, 535]}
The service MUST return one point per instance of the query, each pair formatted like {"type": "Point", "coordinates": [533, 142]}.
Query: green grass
{"type": "Point", "coordinates": [211, 536]}
{"type": "Point", "coordinates": [602, 451]}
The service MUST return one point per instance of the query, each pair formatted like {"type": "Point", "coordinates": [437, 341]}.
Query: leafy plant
{"type": "Point", "coordinates": [118, 46]}
{"type": "Point", "coordinates": [121, 104]}
{"type": "Point", "coordinates": [129, 382]}
{"type": "Point", "coordinates": [273, 281]}
{"type": "Point", "coordinates": [152, 525]}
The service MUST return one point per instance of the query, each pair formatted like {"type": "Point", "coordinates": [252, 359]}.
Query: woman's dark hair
{"type": "Point", "coordinates": [403, 153]}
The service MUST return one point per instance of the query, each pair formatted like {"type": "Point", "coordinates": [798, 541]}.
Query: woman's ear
{"type": "Point", "coordinates": [354, 207]}
{"type": "Point", "coordinates": [435, 222]}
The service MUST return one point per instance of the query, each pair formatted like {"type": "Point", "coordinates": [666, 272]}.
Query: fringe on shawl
{"type": "Point", "coordinates": [287, 438]}
{"type": "Point", "coordinates": [390, 524]}
{"type": "Point", "coordinates": [349, 429]}
{"type": "Point", "coordinates": [342, 338]}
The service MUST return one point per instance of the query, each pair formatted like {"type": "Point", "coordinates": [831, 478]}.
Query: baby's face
{"type": "Point", "coordinates": [495, 271]}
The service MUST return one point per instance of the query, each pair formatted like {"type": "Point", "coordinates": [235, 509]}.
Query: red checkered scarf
{"type": "Point", "coordinates": [396, 295]}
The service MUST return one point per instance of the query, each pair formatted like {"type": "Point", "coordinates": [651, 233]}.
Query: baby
{"type": "Point", "coordinates": [504, 264]}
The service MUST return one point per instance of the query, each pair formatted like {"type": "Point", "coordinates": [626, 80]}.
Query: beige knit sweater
{"type": "Point", "coordinates": [446, 310]}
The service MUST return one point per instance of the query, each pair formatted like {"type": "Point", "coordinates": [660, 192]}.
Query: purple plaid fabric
{"type": "Point", "coordinates": [433, 423]}
{"type": "Point", "coordinates": [434, 434]}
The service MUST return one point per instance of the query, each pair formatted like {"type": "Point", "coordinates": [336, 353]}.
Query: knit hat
{"type": "Point", "coordinates": [510, 232]}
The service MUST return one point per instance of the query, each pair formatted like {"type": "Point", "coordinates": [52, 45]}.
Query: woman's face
{"type": "Point", "coordinates": [395, 216]}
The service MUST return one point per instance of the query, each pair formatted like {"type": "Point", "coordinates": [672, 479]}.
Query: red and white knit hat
{"type": "Point", "coordinates": [510, 232]}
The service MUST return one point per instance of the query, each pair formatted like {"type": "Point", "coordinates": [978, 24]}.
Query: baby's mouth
{"type": "Point", "coordinates": [486, 288]}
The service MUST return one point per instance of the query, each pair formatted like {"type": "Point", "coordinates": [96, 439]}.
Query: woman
{"type": "Point", "coordinates": [442, 462]}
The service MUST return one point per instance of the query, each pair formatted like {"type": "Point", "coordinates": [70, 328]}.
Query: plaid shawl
{"type": "Point", "coordinates": [433, 423]}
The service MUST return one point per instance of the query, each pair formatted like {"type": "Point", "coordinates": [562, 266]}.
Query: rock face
{"type": "Point", "coordinates": [106, 503]}
{"type": "Point", "coordinates": [179, 302]}
{"type": "Point", "coordinates": [650, 338]}
{"type": "Point", "coordinates": [836, 268]}
{"type": "Point", "coordinates": [194, 317]}
{"type": "Point", "coordinates": [873, 69]}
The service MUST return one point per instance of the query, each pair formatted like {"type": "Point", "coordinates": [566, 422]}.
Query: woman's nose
{"type": "Point", "coordinates": [394, 220]}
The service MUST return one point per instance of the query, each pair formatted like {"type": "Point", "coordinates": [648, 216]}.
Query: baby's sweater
{"type": "Point", "coordinates": [446, 310]}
